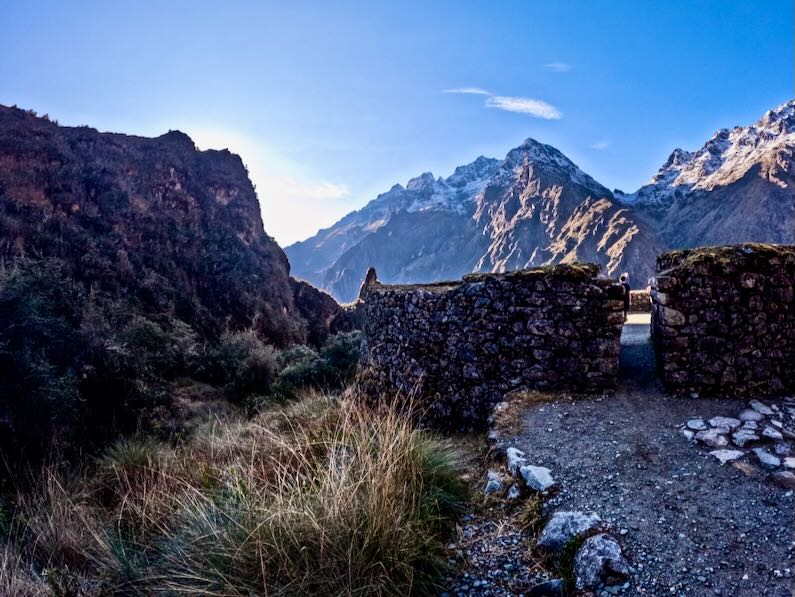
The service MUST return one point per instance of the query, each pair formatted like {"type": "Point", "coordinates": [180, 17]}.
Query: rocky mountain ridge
{"type": "Point", "coordinates": [537, 207]}
{"type": "Point", "coordinates": [154, 222]}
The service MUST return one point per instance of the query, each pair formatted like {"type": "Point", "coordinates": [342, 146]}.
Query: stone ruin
{"type": "Point", "coordinates": [454, 349]}
{"type": "Point", "coordinates": [723, 320]}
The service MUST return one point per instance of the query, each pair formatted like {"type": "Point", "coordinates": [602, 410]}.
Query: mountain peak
{"type": "Point", "coordinates": [423, 181]}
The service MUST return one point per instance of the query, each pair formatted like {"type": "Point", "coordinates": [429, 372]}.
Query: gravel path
{"type": "Point", "coordinates": [689, 525]}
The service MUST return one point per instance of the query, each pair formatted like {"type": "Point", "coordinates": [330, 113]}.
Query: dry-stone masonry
{"type": "Point", "coordinates": [639, 301]}
{"type": "Point", "coordinates": [457, 348]}
{"type": "Point", "coordinates": [723, 320]}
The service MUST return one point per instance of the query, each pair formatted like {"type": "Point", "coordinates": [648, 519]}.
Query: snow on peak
{"type": "Point", "coordinates": [423, 181]}
{"type": "Point", "coordinates": [546, 157]}
{"type": "Point", "coordinates": [726, 157]}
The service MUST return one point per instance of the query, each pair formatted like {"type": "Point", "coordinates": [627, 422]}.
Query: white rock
{"type": "Point", "coordinates": [514, 492]}
{"type": "Point", "coordinates": [743, 436]}
{"type": "Point", "coordinates": [771, 433]}
{"type": "Point", "coordinates": [749, 414]}
{"type": "Point", "coordinates": [729, 422]}
{"type": "Point", "coordinates": [761, 408]}
{"type": "Point", "coordinates": [766, 458]}
{"type": "Point", "coordinates": [515, 459]}
{"type": "Point", "coordinates": [688, 434]}
{"type": "Point", "coordinates": [565, 526]}
{"type": "Point", "coordinates": [714, 438]}
{"type": "Point", "coordinates": [789, 462]}
{"type": "Point", "coordinates": [752, 425]}
{"type": "Point", "coordinates": [696, 424]}
{"type": "Point", "coordinates": [727, 455]}
{"type": "Point", "coordinates": [537, 477]}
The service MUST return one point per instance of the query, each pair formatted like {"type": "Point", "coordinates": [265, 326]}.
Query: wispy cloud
{"type": "Point", "coordinates": [558, 67]}
{"type": "Point", "coordinates": [600, 145]}
{"type": "Point", "coordinates": [467, 90]}
{"type": "Point", "coordinates": [524, 105]}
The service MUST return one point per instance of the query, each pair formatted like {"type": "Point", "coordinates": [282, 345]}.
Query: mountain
{"type": "Point", "coordinates": [739, 187]}
{"type": "Point", "coordinates": [533, 208]}
{"type": "Point", "coordinates": [154, 222]}
{"type": "Point", "coordinates": [311, 258]}
{"type": "Point", "coordinates": [537, 207]}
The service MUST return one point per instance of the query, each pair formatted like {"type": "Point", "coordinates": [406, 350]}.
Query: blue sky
{"type": "Point", "coordinates": [330, 103]}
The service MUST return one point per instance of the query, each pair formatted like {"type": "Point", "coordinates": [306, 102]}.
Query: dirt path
{"type": "Point", "coordinates": [690, 526]}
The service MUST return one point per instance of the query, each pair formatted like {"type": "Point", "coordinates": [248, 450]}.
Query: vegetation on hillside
{"type": "Point", "coordinates": [78, 369]}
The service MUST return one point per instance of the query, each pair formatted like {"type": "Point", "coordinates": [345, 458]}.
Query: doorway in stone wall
{"type": "Point", "coordinates": [637, 366]}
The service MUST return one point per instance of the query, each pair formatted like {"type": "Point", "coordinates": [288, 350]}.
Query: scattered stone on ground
{"type": "Point", "coordinates": [725, 456]}
{"type": "Point", "coordinates": [494, 483]}
{"type": "Point", "coordinates": [599, 561]}
{"type": "Point", "coordinates": [551, 588]}
{"type": "Point", "coordinates": [767, 448]}
{"type": "Point", "coordinates": [563, 527]}
{"type": "Point", "coordinates": [537, 478]}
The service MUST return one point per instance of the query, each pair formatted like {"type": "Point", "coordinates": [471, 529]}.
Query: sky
{"type": "Point", "coordinates": [331, 103]}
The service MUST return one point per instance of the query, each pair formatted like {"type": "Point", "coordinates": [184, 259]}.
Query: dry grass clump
{"type": "Point", "coordinates": [322, 497]}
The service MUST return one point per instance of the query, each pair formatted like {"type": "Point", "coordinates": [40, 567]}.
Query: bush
{"type": "Point", "coordinates": [323, 497]}
{"type": "Point", "coordinates": [331, 369]}
{"type": "Point", "coordinates": [241, 363]}
{"type": "Point", "coordinates": [76, 370]}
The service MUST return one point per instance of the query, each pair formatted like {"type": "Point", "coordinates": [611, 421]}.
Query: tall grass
{"type": "Point", "coordinates": [322, 497]}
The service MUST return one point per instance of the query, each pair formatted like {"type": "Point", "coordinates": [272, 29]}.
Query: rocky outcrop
{"type": "Point", "coordinates": [155, 222]}
{"type": "Point", "coordinates": [723, 320]}
{"type": "Point", "coordinates": [324, 316]}
{"type": "Point", "coordinates": [454, 349]}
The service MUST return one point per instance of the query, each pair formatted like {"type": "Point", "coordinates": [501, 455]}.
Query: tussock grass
{"type": "Point", "coordinates": [322, 497]}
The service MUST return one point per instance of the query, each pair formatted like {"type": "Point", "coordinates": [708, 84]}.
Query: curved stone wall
{"type": "Point", "coordinates": [723, 320]}
{"type": "Point", "coordinates": [457, 348]}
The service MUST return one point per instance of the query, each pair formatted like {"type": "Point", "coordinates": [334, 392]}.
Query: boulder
{"type": "Point", "coordinates": [565, 526]}
{"type": "Point", "coordinates": [538, 478]}
{"type": "Point", "coordinates": [771, 433]}
{"type": "Point", "coordinates": [714, 438]}
{"type": "Point", "coordinates": [696, 424]}
{"type": "Point", "coordinates": [600, 561]}
{"type": "Point", "coordinates": [551, 588]}
{"type": "Point", "coordinates": [743, 436]}
{"type": "Point", "coordinates": [494, 483]}
{"type": "Point", "coordinates": [767, 459]}
{"type": "Point", "coordinates": [725, 456]}
{"type": "Point", "coordinates": [749, 414]}
{"type": "Point", "coordinates": [515, 460]}
{"type": "Point", "coordinates": [785, 479]}
{"type": "Point", "coordinates": [729, 422]}
{"type": "Point", "coordinates": [761, 408]}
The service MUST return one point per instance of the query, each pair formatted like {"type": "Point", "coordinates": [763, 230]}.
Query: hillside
{"type": "Point", "coordinates": [153, 221]}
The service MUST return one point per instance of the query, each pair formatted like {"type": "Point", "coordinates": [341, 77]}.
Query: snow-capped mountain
{"type": "Point", "coordinates": [724, 159]}
{"type": "Point", "coordinates": [454, 194]}
{"type": "Point", "coordinates": [738, 187]}
{"type": "Point", "coordinates": [533, 208]}
{"type": "Point", "coordinates": [537, 207]}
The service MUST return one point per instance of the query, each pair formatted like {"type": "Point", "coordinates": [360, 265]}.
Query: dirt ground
{"type": "Point", "coordinates": [689, 525]}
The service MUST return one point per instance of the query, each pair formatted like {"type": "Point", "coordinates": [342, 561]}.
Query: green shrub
{"type": "Point", "coordinates": [329, 370]}
{"type": "Point", "coordinates": [241, 363]}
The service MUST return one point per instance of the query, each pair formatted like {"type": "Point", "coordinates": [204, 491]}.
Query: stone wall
{"type": "Point", "coordinates": [639, 301]}
{"type": "Point", "coordinates": [457, 348]}
{"type": "Point", "coordinates": [723, 320]}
